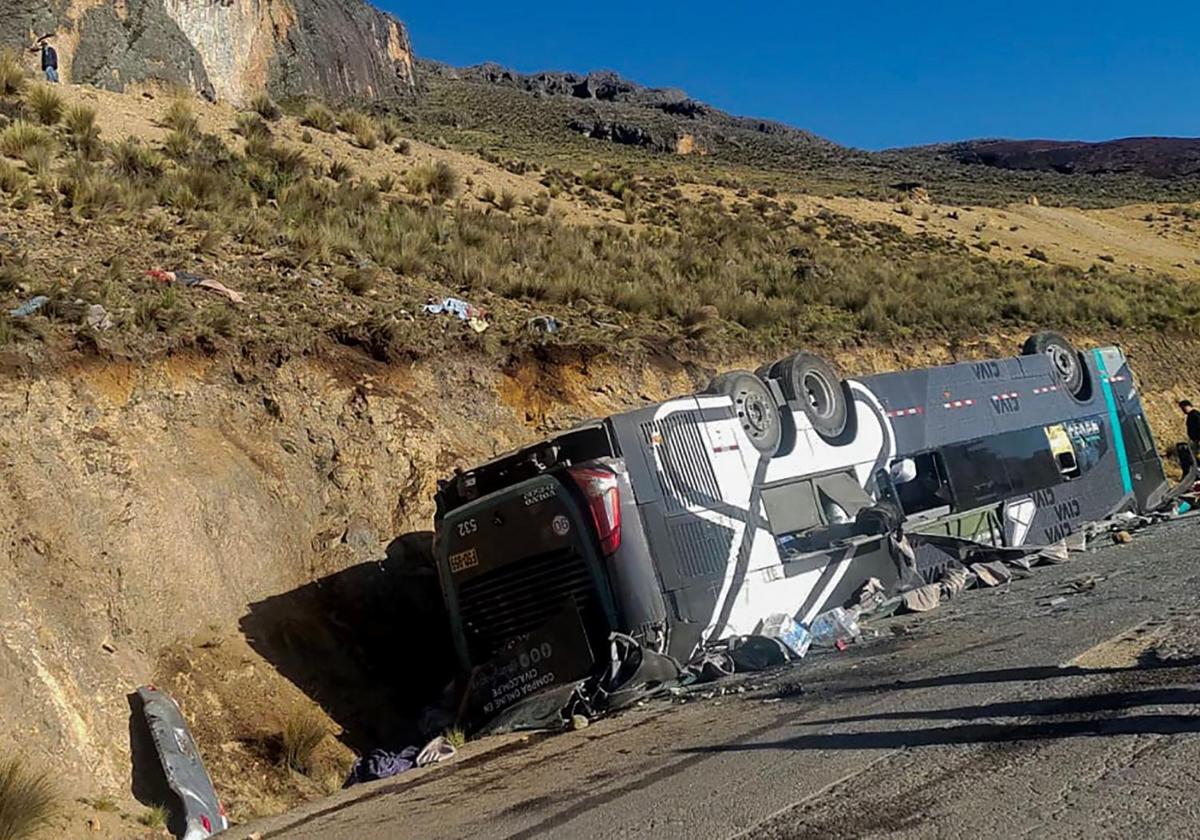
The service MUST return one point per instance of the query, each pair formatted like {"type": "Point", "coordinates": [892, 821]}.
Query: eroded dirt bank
{"type": "Point", "coordinates": [209, 524]}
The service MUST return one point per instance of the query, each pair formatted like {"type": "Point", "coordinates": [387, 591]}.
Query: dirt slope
{"type": "Point", "coordinates": [203, 523]}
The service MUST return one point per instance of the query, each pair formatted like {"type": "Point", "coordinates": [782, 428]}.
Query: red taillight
{"type": "Point", "coordinates": [204, 821]}
{"type": "Point", "coordinates": [599, 486]}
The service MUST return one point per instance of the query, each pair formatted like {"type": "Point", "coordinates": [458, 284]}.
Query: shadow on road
{"type": "Point", "coordinates": [370, 644]}
{"type": "Point", "coordinates": [1026, 674]}
{"type": "Point", "coordinates": [1086, 704]}
{"type": "Point", "coordinates": [976, 733]}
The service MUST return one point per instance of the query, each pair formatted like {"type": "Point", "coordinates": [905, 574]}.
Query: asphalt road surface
{"type": "Point", "coordinates": [998, 715]}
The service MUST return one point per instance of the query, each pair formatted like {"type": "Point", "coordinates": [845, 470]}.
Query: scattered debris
{"type": "Point", "coordinates": [579, 722]}
{"type": "Point", "coordinates": [544, 324]}
{"type": "Point", "coordinates": [180, 758]}
{"type": "Point", "coordinates": [475, 316]}
{"type": "Point", "coordinates": [436, 751]}
{"type": "Point", "coordinates": [97, 318]}
{"type": "Point", "coordinates": [1122, 537]}
{"type": "Point", "coordinates": [29, 307]}
{"type": "Point", "coordinates": [834, 627]}
{"type": "Point", "coordinates": [871, 596]}
{"type": "Point", "coordinates": [383, 764]}
{"type": "Point", "coordinates": [955, 581]}
{"type": "Point", "coordinates": [186, 278]}
{"type": "Point", "coordinates": [923, 598]}
{"type": "Point", "coordinates": [1055, 602]}
{"type": "Point", "coordinates": [786, 629]}
{"type": "Point", "coordinates": [994, 573]}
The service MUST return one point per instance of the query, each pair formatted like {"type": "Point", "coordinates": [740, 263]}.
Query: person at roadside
{"type": "Point", "coordinates": [1193, 425]}
{"type": "Point", "coordinates": [49, 62]}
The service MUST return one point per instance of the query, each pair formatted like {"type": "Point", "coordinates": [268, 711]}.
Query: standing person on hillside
{"type": "Point", "coordinates": [1193, 425]}
{"type": "Point", "coordinates": [49, 62]}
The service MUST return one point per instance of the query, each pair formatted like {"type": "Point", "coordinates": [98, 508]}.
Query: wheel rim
{"type": "Point", "coordinates": [819, 395]}
{"type": "Point", "coordinates": [1066, 366]}
{"type": "Point", "coordinates": [754, 414]}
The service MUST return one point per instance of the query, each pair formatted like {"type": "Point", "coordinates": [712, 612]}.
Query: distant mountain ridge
{"type": "Point", "coordinates": [708, 127]}
{"type": "Point", "coordinates": [1155, 157]}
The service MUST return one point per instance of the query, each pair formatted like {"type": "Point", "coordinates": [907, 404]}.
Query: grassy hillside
{"type": "Point", "coordinates": [339, 226]}
{"type": "Point", "coordinates": [471, 114]}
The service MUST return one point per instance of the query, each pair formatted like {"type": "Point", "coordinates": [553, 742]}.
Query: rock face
{"type": "Point", "coordinates": [1154, 157]}
{"type": "Point", "coordinates": [227, 49]}
{"type": "Point", "coordinates": [603, 105]}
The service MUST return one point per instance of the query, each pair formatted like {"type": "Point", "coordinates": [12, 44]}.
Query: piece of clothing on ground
{"type": "Point", "coordinates": [383, 764]}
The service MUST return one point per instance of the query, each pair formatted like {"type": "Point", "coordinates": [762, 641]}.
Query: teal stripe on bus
{"type": "Point", "coordinates": [1115, 421]}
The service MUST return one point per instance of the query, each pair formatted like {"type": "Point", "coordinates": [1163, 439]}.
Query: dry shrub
{"type": "Point", "coordinates": [303, 732]}
{"type": "Point", "coordinates": [251, 125]}
{"type": "Point", "coordinates": [439, 181]}
{"type": "Point", "coordinates": [82, 131]}
{"type": "Point", "coordinates": [319, 116]}
{"type": "Point", "coordinates": [45, 104]}
{"type": "Point", "coordinates": [28, 800]}
{"type": "Point", "coordinates": [265, 107]}
{"type": "Point", "coordinates": [180, 117]}
{"type": "Point", "coordinates": [133, 160]}
{"type": "Point", "coordinates": [12, 74]}
{"type": "Point", "coordinates": [21, 136]}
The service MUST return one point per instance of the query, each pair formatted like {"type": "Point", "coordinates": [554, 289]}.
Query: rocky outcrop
{"type": "Point", "coordinates": [226, 49]}
{"type": "Point", "coordinates": [1154, 157]}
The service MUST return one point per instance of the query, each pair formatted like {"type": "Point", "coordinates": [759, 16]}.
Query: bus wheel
{"type": "Point", "coordinates": [810, 381]}
{"type": "Point", "coordinates": [754, 406]}
{"type": "Point", "coordinates": [1064, 359]}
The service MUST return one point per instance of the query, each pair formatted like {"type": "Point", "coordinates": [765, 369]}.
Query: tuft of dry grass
{"type": "Point", "coordinates": [303, 732]}
{"type": "Point", "coordinates": [133, 160]}
{"type": "Point", "coordinates": [12, 180]}
{"type": "Point", "coordinates": [154, 817]}
{"type": "Point", "coordinates": [361, 127]}
{"type": "Point", "coordinates": [319, 116]}
{"type": "Point", "coordinates": [20, 137]}
{"type": "Point", "coordinates": [45, 104]}
{"type": "Point", "coordinates": [28, 800]}
{"type": "Point", "coordinates": [265, 107]}
{"type": "Point", "coordinates": [179, 117]}
{"type": "Point", "coordinates": [12, 74]}
{"type": "Point", "coordinates": [439, 181]}
{"type": "Point", "coordinates": [82, 131]}
{"type": "Point", "coordinates": [250, 125]}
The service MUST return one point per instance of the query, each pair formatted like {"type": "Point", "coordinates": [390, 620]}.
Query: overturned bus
{"type": "Point", "coordinates": [693, 519]}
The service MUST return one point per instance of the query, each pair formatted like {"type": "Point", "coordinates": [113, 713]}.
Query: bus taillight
{"type": "Point", "coordinates": [599, 486]}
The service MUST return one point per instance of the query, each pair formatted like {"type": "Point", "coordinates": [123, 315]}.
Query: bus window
{"type": "Point", "coordinates": [1063, 451]}
{"type": "Point", "coordinates": [986, 471]}
{"type": "Point", "coordinates": [929, 490]}
{"type": "Point", "coordinates": [792, 507]}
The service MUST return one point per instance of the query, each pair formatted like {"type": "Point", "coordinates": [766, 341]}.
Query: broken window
{"type": "Point", "coordinates": [929, 490]}
{"type": "Point", "coordinates": [842, 497]}
{"type": "Point", "coordinates": [792, 507]}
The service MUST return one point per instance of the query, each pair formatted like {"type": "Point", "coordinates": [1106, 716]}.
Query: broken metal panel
{"type": "Point", "coordinates": [182, 766]}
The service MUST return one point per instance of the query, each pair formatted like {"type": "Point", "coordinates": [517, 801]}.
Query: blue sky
{"type": "Point", "coordinates": [871, 75]}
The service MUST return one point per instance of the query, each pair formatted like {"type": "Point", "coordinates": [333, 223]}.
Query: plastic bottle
{"type": "Point", "coordinates": [833, 626]}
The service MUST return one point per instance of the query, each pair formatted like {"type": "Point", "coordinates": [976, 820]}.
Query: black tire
{"type": "Point", "coordinates": [811, 382]}
{"type": "Point", "coordinates": [754, 408]}
{"type": "Point", "coordinates": [1066, 362]}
